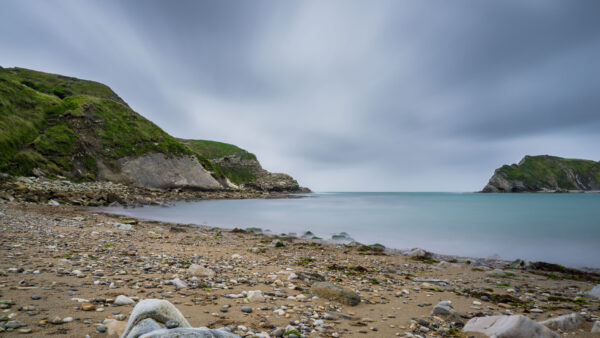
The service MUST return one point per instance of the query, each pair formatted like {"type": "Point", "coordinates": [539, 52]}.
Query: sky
{"type": "Point", "coordinates": [343, 95]}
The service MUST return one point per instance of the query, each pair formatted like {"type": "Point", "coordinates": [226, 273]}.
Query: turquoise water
{"type": "Point", "coordinates": [558, 228]}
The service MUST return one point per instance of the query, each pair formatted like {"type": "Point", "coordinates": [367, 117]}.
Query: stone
{"type": "Point", "coordinates": [445, 309]}
{"type": "Point", "coordinates": [596, 327]}
{"type": "Point", "coordinates": [192, 332]}
{"type": "Point", "coordinates": [514, 326]}
{"type": "Point", "coordinates": [246, 309]}
{"type": "Point", "coordinates": [200, 271]}
{"type": "Point", "coordinates": [565, 322]}
{"type": "Point", "coordinates": [337, 293]}
{"type": "Point", "coordinates": [179, 284]}
{"type": "Point", "coordinates": [56, 320]}
{"type": "Point", "coordinates": [158, 309]}
{"type": "Point", "coordinates": [115, 327]}
{"type": "Point", "coordinates": [171, 324]}
{"type": "Point", "coordinates": [123, 226]}
{"type": "Point", "coordinates": [595, 292]}
{"type": "Point", "coordinates": [123, 300]}
{"type": "Point", "coordinates": [145, 326]}
{"type": "Point", "coordinates": [36, 297]}
{"type": "Point", "coordinates": [88, 307]}
{"type": "Point", "coordinates": [255, 296]}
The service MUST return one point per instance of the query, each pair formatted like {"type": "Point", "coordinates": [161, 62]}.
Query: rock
{"type": "Point", "coordinates": [101, 329]}
{"type": "Point", "coordinates": [123, 226]}
{"type": "Point", "coordinates": [596, 327]}
{"type": "Point", "coordinates": [36, 297]}
{"type": "Point", "coordinates": [56, 320]}
{"type": "Point", "coordinates": [200, 271]}
{"type": "Point", "coordinates": [310, 277]}
{"type": "Point", "coordinates": [333, 292]}
{"type": "Point", "coordinates": [445, 309]}
{"type": "Point", "coordinates": [565, 322]}
{"type": "Point", "coordinates": [246, 309]}
{"type": "Point", "coordinates": [191, 332]}
{"type": "Point", "coordinates": [123, 300]}
{"type": "Point", "coordinates": [171, 324]}
{"type": "Point", "coordinates": [595, 292]}
{"type": "Point", "coordinates": [256, 296]}
{"type": "Point", "coordinates": [179, 284]}
{"type": "Point", "coordinates": [514, 326]}
{"type": "Point", "coordinates": [115, 328]}
{"type": "Point", "coordinates": [157, 309]}
{"type": "Point", "coordinates": [143, 327]}
{"type": "Point", "coordinates": [88, 307]}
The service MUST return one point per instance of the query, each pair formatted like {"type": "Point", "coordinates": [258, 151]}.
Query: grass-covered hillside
{"type": "Point", "coordinates": [239, 165]}
{"type": "Point", "coordinates": [544, 172]}
{"type": "Point", "coordinates": [65, 126]}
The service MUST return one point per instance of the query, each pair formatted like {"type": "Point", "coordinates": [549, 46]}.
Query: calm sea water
{"type": "Point", "coordinates": [559, 228]}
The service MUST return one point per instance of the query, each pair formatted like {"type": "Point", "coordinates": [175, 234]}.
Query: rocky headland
{"type": "Point", "coordinates": [63, 128]}
{"type": "Point", "coordinates": [546, 173]}
{"type": "Point", "coordinates": [72, 271]}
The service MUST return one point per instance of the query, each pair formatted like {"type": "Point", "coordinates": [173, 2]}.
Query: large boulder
{"type": "Point", "coordinates": [565, 322]}
{"type": "Point", "coordinates": [595, 292]}
{"type": "Point", "coordinates": [335, 292]}
{"type": "Point", "coordinates": [515, 326]}
{"type": "Point", "coordinates": [596, 327]}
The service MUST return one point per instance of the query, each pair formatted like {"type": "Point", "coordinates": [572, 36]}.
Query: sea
{"type": "Point", "coordinates": [556, 228]}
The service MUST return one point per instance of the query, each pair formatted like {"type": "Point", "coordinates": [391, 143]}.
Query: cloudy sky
{"type": "Point", "coordinates": [344, 95]}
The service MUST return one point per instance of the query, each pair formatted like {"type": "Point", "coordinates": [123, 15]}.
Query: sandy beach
{"type": "Point", "coordinates": [62, 268]}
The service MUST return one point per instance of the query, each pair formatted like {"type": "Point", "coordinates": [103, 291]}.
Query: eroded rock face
{"type": "Point", "coordinates": [515, 326]}
{"type": "Point", "coordinates": [154, 170]}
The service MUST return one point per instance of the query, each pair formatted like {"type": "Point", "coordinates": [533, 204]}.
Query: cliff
{"type": "Point", "coordinates": [242, 167]}
{"type": "Point", "coordinates": [57, 126]}
{"type": "Point", "coordinates": [546, 173]}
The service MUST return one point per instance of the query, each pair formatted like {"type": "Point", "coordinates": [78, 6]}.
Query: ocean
{"type": "Point", "coordinates": [556, 228]}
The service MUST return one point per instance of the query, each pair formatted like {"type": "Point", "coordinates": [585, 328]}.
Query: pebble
{"type": "Point", "coordinates": [171, 324]}
{"type": "Point", "coordinates": [246, 309]}
{"type": "Point", "coordinates": [36, 297]}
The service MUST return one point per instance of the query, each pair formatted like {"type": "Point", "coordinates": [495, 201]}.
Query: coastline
{"type": "Point", "coordinates": [65, 252]}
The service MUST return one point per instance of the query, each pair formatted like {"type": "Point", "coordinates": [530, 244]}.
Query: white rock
{"type": "Point", "coordinates": [565, 322]}
{"type": "Point", "coordinates": [595, 292]}
{"type": "Point", "coordinates": [67, 319]}
{"type": "Point", "coordinates": [123, 300]}
{"type": "Point", "coordinates": [292, 276]}
{"type": "Point", "coordinates": [236, 256]}
{"type": "Point", "coordinates": [179, 284]}
{"type": "Point", "coordinates": [256, 296]}
{"type": "Point", "coordinates": [596, 327]}
{"type": "Point", "coordinates": [508, 327]}
{"type": "Point", "coordinates": [200, 271]}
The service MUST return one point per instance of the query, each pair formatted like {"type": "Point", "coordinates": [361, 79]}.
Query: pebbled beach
{"type": "Point", "coordinates": [64, 269]}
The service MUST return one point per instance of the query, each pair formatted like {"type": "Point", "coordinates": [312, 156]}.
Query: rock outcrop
{"type": "Point", "coordinates": [242, 168]}
{"type": "Point", "coordinates": [61, 127]}
{"type": "Point", "coordinates": [508, 327]}
{"type": "Point", "coordinates": [546, 173]}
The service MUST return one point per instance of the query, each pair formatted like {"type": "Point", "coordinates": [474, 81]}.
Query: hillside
{"type": "Point", "coordinates": [242, 167]}
{"type": "Point", "coordinates": [53, 125]}
{"type": "Point", "coordinates": [546, 173]}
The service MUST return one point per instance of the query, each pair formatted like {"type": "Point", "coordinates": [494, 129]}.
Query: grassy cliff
{"type": "Point", "coordinates": [64, 126]}
{"type": "Point", "coordinates": [239, 165]}
{"type": "Point", "coordinates": [544, 172]}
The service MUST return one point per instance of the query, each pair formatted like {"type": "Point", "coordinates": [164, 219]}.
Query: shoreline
{"type": "Point", "coordinates": [61, 253]}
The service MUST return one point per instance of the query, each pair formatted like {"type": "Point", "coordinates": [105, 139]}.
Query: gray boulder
{"type": "Point", "coordinates": [595, 292]}
{"type": "Point", "coordinates": [565, 322]}
{"type": "Point", "coordinates": [596, 327]}
{"type": "Point", "coordinates": [445, 309]}
{"type": "Point", "coordinates": [336, 293]}
{"type": "Point", "coordinates": [191, 332]}
{"type": "Point", "coordinates": [515, 326]}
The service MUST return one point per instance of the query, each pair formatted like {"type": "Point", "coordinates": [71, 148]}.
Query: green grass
{"type": "Point", "coordinates": [65, 125]}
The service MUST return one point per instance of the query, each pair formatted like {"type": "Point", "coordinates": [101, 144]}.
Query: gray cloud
{"type": "Point", "coordinates": [344, 95]}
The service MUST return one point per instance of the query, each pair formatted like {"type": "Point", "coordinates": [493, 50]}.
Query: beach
{"type": "Point", "coordinates": [63, 266]}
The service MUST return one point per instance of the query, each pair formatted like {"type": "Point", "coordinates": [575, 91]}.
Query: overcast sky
{"type": "Point", "coordinates": [343, 95]}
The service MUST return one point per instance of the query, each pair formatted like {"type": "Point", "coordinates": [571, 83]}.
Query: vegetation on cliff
{"type": "Point", "coordinates": [546, 173]}
{"type": "Point", "coordinates": [64, 126]}
{"type": "Point", "coordinates": [239, 165]}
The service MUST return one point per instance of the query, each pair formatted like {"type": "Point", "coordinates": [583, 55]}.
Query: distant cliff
{"type": "Point", "coordinates": [58, 126]}
{"type": "Point", "coordinates": [546, 173]}
{"type": "Point", "coordinates": [242, 167]}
